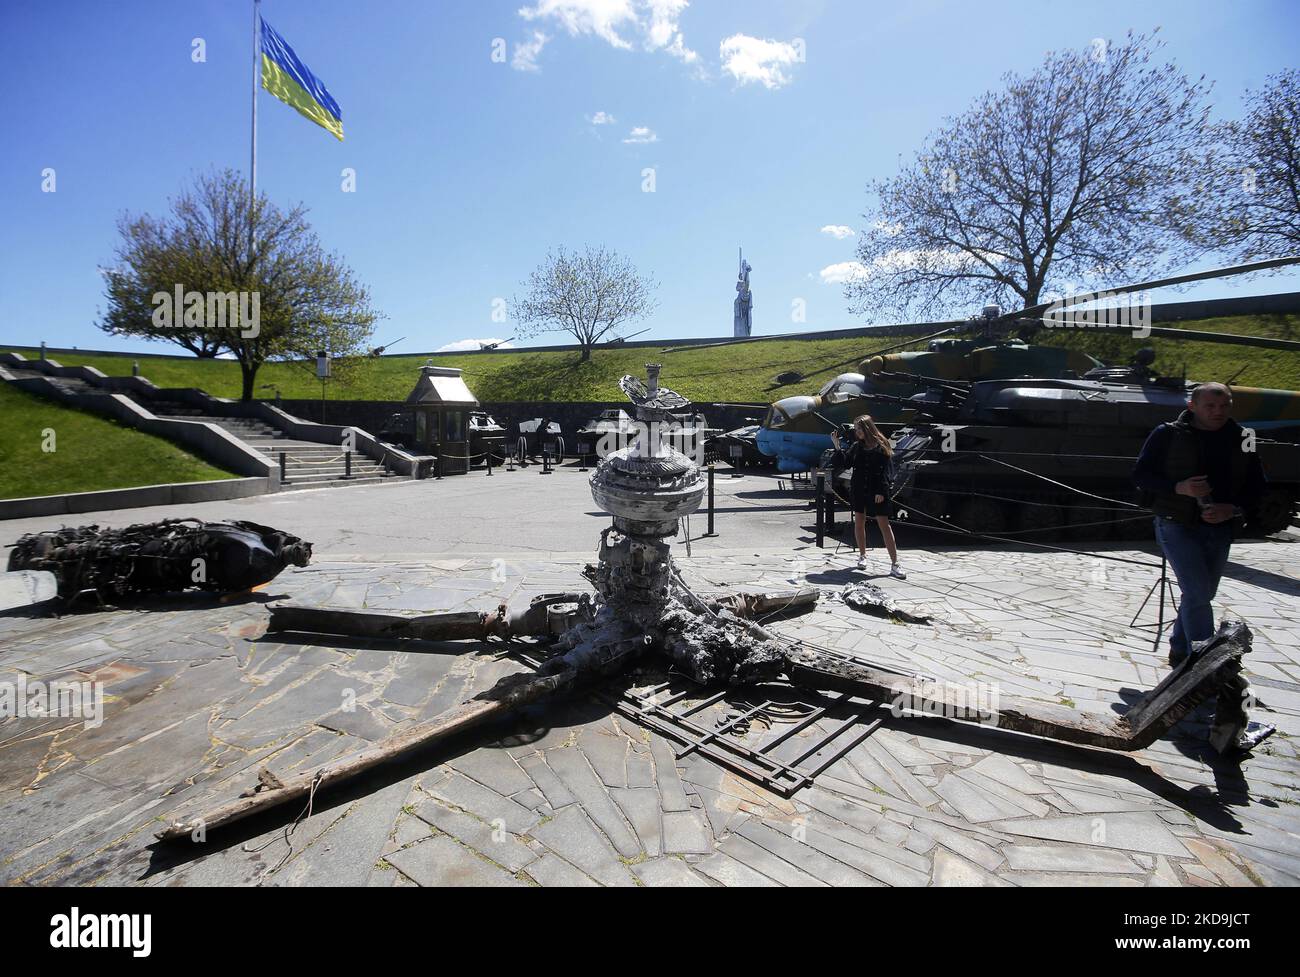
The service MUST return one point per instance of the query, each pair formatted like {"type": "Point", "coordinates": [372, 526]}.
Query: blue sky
{"type": "Point", "coordinates": [468, 168]}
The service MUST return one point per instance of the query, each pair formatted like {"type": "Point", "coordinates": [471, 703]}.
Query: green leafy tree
{"type": "Point", "coordinates": [216, 241]}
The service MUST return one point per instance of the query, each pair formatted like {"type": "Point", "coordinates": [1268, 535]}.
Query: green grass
{"type": "Point", "coordinates": [91, 452]}
{"type": "Point", "coordinates": [741, 373]}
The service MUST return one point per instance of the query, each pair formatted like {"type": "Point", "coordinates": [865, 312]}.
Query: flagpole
{"type": "Point", "coordinates": [252, 165]}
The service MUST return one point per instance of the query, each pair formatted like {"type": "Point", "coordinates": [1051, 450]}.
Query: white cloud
{"type": "Point", "coordinates": [653, 22]}
{"type": "Point", "coordinates": [601, 119]}
{"type": "Point", "coordinates": [462, 345]}
{"type": "Point", "coordinates": [841, 272]}
{"type": "Point", "coordinates": [600, 17]}
{"type": "Point", "coordinates": [662, 31]}
{"type": "Point", "coordinates": [751, 59]}
{"type": "Point", "coordinates": [837, 231]}
{"type": "Point", "coordinates": [641, 134]}
{"type": "Point", "coordinates": [526, 52]}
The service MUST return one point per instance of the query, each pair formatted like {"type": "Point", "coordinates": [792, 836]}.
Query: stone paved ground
{"type": "Point", "coordinates": [199, 701]}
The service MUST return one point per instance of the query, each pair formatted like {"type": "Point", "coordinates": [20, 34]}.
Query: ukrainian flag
{"type": "Point", "coordinates": [289, 80]}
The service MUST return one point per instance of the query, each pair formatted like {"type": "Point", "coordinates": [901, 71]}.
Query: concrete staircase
{"type": "Point", "coordinates": [307, 463]}
{"type": "Point", "coordinates": [71, 385]}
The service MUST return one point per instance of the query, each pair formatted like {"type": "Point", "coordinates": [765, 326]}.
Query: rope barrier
{"type": "Point", "coordinates": [304, 461]}
{"type": "Point", "coordinates": [1071, 488]}
{"type": "Point", "coordinates": [1003, 498]}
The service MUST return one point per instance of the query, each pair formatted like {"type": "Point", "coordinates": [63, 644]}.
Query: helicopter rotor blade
{"type": "Point", "coordinates": [799, 335]}
{"type": "Point", "coordinates": [1194, 276]}
{"type": "Point", "coordinates": [1191, 335]}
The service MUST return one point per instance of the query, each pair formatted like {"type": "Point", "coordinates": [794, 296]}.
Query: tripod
{"type": "Point", "coordinates": [1164, 585]}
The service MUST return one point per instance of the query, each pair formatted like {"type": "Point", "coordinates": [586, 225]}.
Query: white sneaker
{"type": "Point", "coordinates": [896, 571]}
{"type": "Point", "coordinates": [862, 563]}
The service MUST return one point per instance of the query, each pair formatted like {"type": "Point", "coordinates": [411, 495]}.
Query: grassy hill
{"type": "Point", "coordinates": [741, 373]}
{"type": "Point", "coordinates": [92, 452]}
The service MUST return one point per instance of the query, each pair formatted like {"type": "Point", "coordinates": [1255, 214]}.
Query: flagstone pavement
{"type": "Point", "coordinates": [199, 700]}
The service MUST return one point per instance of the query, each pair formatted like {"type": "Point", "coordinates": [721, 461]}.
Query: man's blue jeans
{"type": "Point", "coordinates": [1198, 555]}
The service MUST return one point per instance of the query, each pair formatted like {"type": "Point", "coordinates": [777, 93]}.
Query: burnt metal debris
{"type": "Point", "coordinates": [872, 599]}
{"type": "Point", "coordinates": [159, 557]}
{"type": "Point", "coordinates": [642, 609]}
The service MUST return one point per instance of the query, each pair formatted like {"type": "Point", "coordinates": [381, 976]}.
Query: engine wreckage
{"type": "Point", "coordinates": [159, 557]}
{"type": "Point", "coordinates": [642, 607]}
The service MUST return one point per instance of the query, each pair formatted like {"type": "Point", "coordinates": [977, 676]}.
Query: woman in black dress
{"type": "Point", "coordinates": [868, 456]}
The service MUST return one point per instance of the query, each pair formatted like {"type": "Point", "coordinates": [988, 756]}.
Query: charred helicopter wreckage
{"type": "Point", "coordinates": [643, 612]}
{"type": "Point", "coordinates": [160, 557]}
{"type": "Point", "coordinates": [995, 439]}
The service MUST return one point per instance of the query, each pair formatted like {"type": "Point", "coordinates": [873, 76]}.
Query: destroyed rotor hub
{"type": "Point", "coordinates": [647, 493]}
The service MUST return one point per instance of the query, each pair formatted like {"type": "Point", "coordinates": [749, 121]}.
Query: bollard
{"type": "Point", "coordinates": [546, 462]}
{"type": "Point", "coordinates": [487, 450]}
{"type": "Point", "coordinates": [283, 473]}
{"type": "Point", "coordinates": [347, 464]}
{"type": "Point", "coordinates": [710, 532]}
{"type": "Point", "coordinates": [437, 467]}
{"type": "Point", "coordinates": [821, 504]}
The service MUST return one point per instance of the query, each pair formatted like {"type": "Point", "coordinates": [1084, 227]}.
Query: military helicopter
{"type": "Point", "coordinates": [796, 430]}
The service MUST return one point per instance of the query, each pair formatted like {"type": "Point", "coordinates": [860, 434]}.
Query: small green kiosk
{"type": "Point", "coordinates": [442, 403]}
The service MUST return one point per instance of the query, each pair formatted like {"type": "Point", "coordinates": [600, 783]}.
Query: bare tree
{"type": "Point", "coordinates": [306, 298]}
{"type": "Point", "coordinates": [589, 294]}
{"type": "Point", "coordinates": [1075, 174]}
{"type": "Point", "coordinates": [1253, 194]}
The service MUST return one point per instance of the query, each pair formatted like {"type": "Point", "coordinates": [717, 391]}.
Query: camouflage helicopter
{"type": "Point", "coordinates": [891, 385]}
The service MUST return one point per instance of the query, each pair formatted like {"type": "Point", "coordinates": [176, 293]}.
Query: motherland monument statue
{"type": "Point", "coordinates": [742, 322]}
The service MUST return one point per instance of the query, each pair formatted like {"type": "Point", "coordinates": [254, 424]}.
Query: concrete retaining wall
{"type": "Point", "coordinates": [570, 415]}
{"type": "Point", "coordinates": [132, 498]}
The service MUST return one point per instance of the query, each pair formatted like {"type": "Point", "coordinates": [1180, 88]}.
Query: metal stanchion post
{"type": "Point", "coordinates": [283, 470]}
{"type": "Point", "coordinates": [347, 464]}
{"type": "Point", "coordinates": [830, 507]}
{"type": "Point", "coordinates": [821, 501]}
{"type": "Point", "coordinates": [437, 467]}
{"type": "Point", "coordinates": [710, 533]}
{"type": "Point", "coordinates": [487, 450]}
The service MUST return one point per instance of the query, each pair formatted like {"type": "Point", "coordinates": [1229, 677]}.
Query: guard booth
{"type": "Point", "coordinates": [441, 403]}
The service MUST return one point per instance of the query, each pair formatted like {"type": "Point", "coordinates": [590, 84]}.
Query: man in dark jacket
{"type": "Point", "coordinates": [1204, 476]}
